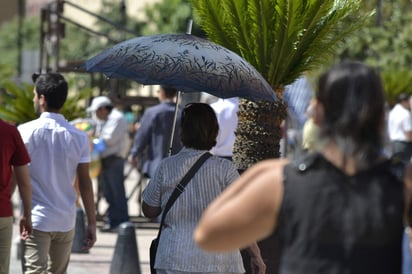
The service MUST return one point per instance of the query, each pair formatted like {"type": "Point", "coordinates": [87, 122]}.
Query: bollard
{"type": "Point", "coordinates": [19, 249]}
{"type": "Point", "coordinates": [79, 232]}
{"type": "Point", "coordinates": [125, 257]}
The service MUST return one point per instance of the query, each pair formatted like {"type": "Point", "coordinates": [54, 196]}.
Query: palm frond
{"type": "Point", "coordinates": [260, 23]}
{"type": "Point", "coordinates": [18, 103]}
{"type": "Point", "coordinates": [216, 22]}
{"type": "Point", "coordinates": [281, 38]}
{"type": "Point", "coordinates": [238, 30]}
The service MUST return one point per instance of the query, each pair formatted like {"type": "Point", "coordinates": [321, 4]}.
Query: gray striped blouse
{"type": "Point", "coordinates": [177, 250]}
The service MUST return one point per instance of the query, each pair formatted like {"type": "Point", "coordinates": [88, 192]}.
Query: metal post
{"type": "Point", "coordinates": [379, 13]}
{"type": "Point", "coordinates": [21, 8]}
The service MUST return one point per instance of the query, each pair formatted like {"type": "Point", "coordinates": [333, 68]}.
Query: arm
{"type": "Point", "coordinates": [256, 261]}
{"type": "Point", "coordinates": [150, 211]}
{"type": "Point", "coordinates": [151, 205]}
{"type": "Point", "coordinates": [114, 131]}
{"type": "Point", "coordinates": [246, 211]}
{"type": "Point", "coordinates": [86, 193]}
{"type": "Point", "coordinates": [22, 179]}
{"type": "Point", "coordinates": [141, 138]}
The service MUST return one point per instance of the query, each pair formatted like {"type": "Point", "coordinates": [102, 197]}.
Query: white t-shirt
{"type": "Point", "coordinates": [399, 123]}
{"type": "Point", "coordinates": [56, 148]}
{"type": "Point", "coordinates": [226, 113]}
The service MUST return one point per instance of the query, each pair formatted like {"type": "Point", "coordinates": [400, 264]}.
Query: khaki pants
{"type": "Point", "coordinates": [163, 271]}
{"type": "Point", "coordinates": [6, 230]}
{"type": "Point", "coordinates": [47, 252]}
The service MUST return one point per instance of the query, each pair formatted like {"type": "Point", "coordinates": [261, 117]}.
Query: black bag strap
{"type": "Point", "coordinates": [180, 187]}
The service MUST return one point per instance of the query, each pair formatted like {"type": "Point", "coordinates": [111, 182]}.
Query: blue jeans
{"type": "Point", "coordinates": [406, 255]}
{"type": "Point", "coordinates": [111, 179]}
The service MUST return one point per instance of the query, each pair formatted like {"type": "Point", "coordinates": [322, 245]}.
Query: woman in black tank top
{"type": "Point", "coordinates": [339, 210]}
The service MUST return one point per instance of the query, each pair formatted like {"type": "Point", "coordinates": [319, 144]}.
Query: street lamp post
{"type": "Point", "coordinates": [379, 13]}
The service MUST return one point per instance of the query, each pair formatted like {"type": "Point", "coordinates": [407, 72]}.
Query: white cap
{"type": "Point", "coordinates": [98, 102]}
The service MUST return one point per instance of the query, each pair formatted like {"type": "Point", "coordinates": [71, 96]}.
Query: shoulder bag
{"type": "Point", "coordinates": [180, 187]}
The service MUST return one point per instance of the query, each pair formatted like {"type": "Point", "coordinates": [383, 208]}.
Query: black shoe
{"type": "Point", "coordinates": [108, 228]}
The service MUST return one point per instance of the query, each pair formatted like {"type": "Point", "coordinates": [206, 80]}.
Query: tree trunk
{"type": "Point", "coordinates": [258, 136]}
{"type": "Point", "coordinates": [258, 132]}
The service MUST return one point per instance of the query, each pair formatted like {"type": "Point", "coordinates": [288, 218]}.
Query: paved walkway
{"type": "Point", "coordinates": [99, 259]}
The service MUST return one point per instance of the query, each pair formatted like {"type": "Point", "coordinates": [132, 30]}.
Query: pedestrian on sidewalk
{"type": "Point", "coordinates": [340, 210]}
{"type": "Point", "coordinates": [59, 152]}
{"type": "Point", "coordinates": [13, 158]}
{"type": "Point", "coordinates": [112, 132]}
{"type": "Point", "coordinates": [152, 140]}
{"type": "Point", "coordinates": [400, 128]}
{"type": "Point", "coordinates": [177, 252]}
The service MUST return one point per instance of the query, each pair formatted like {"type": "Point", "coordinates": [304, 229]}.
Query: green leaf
{"type": "Point", "coordinates": [281, 38]}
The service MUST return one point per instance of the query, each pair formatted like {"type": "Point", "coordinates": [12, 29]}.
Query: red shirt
{"type": "Point", "coordinates": [12, 153]}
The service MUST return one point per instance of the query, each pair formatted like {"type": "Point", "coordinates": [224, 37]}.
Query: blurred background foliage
{"type": "Point", "coordinates": [17, 107]}
{"type": "Point", "coordinates": [384, 42]}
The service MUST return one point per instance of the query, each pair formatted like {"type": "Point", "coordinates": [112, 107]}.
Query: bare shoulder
{"type": "Point", "coordinates": [271, 166]}
{"type": "Point", "coordinates": [269, 173]}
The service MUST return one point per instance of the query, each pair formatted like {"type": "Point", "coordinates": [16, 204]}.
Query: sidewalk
{"type": "Point", "coordinates": [98, 260]}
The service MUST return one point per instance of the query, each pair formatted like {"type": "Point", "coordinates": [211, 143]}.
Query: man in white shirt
{"type": "Point", "coordinates": [400, 128]}
{"type": "Point", "coordinates": [112, 130]}
{"type": "Point", "coordinates": [58, 152]}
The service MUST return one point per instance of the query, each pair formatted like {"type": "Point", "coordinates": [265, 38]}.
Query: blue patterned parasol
{"type": "Point", "coordinates": [187, 62]}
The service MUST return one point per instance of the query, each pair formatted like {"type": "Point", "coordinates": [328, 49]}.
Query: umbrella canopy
{"type": "Point", "coordinates": [184, 61]}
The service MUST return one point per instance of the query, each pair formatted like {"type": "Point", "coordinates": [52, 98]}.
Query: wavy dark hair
{"type": "Point", "coordinates": [353, 99]}
{"type": "Point", "coordinates": [53, 87]}
{"type": "Point", "coordinates": [199, 126]}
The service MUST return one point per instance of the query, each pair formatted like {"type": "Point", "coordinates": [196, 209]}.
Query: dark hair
{"type": "Point", "coordinates": [170, 92]}
{"type": "Point", "coordinates": [352, 96]}
{"type": "Point", "coordinates": [403, 97]}
{"type": "Point", "coordinates": [53, 87]}
{"type": "Point", "coordinates": [199, 127]}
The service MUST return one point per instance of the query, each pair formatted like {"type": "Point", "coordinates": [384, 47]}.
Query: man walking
{"type": "Point", "coordinates": [13, 158]}
{"type": "Point", "coordinates": [112, 131]}
{"type": "Point", "coordinates": [58, 152]}
{"type": "Point", "coordinates": [152, 139]}
{"type": "Point", "coordinates": [400, 128]}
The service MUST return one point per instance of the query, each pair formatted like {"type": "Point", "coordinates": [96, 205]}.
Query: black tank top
{"type": "Point", "coordinates": [334, 223]}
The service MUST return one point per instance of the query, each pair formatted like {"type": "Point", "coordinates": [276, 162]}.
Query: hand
{"type": "Point", "coordinates": [25, 227]}
{"type": "Point", "coordinates": [90, 238]}
{"type": "Point", "coordinates": [257, 265]}
{"type": "Point", "coordinates": [133, 161]}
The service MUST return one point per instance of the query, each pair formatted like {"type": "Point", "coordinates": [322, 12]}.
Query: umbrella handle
{"type": "Point", "coordinates": [189, 27]}
{"type": "Point", "coordinates": [174, 124]}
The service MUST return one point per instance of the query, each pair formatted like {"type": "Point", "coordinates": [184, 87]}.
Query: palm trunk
{"type": "Point", "coordinates": [258, 132]}
{"type": "Point", "coordinates": [258, 136]}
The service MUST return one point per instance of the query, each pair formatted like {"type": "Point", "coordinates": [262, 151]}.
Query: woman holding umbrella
{"type": "Point", "coordinates": [338, 211]}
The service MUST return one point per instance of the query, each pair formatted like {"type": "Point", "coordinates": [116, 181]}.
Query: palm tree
{"type": "Point", "coordinates": [282, 39]}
